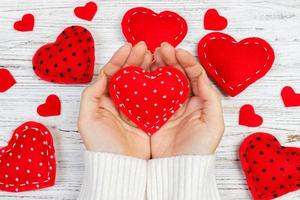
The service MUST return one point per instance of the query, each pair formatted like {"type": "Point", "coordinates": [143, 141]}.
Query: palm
{"type": "Point", "coordinates": [182, 134]}
{"type": "Point", "coordinates": [102, 127]}
{"type": "Point", "coordinates": [197, 127]}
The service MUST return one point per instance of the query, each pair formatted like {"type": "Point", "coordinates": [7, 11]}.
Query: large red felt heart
{"type": "Point", "coordinates": [7, 80]}
{"type": "Point", "coordinates": [26, 24]}
{"type": "Point", "coordinates": [149, 99]}
{"type": "Point", "coordinates": [271, 170]}
{"type": "Point", "coordinates": [289, 97]}
{"type": "Point", "coordinates": [51, 107]}
{"type": "Point", "coordinates": [142, 24]}
{"type": "Point", "coordinates": [69, 60]}
{"type": "Point", "coordinates": [213, 21]}
{"type": "Point", "coordinates": [86, 12]}
{"type": "Point", "coordinates": [235, 65]}
{"type": "Point", "coordinates": [28, 161]}
{"type": "Point", "coordinates": [248, 117]}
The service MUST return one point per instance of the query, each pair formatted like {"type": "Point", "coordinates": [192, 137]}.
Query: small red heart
{"type": "Point", "coordinates": [26, 24]}
{"type": "Point", "coordinates": [214, 21]}
{"type": "Point", "coordinates": [7, 80]}
{"type": "Point", "coordinates": [28, 161]}
{"type": "Point", "coordinates": [142, 24]}
{"type": "Point", "coordinates": [234, 65]}
{"type": "Point", "coordinates": [248, 117]}
{"type": "Point", "coordinates": [149, 99]}
{"type": "Point", "coordinates": [289, 97]}
{"type": "Point", "coordinates": [51, 107]}
{"type": "Point", "coordinates": [86, 12]}
{"type": "Point", "coordinates": [271, 170]}
{"type": "Point", "coordinates": [69, 60]}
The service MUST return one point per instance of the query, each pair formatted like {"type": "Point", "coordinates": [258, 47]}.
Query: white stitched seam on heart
{"type": "Point", "coordinates": [171, 110]}
{"type": "Point", "coordinates": [47, 153]}
{"type": "Point", "coordinates": [154, 14]}
{"type": "Point", "coordinates": [234, 42]}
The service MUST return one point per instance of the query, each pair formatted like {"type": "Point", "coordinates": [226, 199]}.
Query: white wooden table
{"type": "Point", "coordinates": [276, 21]}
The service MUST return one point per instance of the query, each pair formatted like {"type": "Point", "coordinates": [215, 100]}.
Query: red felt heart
{"type": "Point", "coordinates": [26, 24]}
{"type": "Point", "coordinates": [149, 99]}
{"type": "Point", "coordinates": [28, 161]}
{"type": "Point", "coordinates": [142, 24]}
{"type": "Point", "coordinates": [51, 107]}
{"type": "Point", "coordinates": [248, 117]}
{"type": "Point", "coordinates": [289, 97]}
{"type": "Point", "coordinates": [235, 65]}
{"type": "Point", "coordinates": [86, 12]}
{"type": "Point", "coordinates": [213, 21]}
{"type": "Point", "coordinates": [271, 169]}
{"type": "Point", "coordinates": [7, 80]}
{"type": "Point", "coordinates": [69, 60]}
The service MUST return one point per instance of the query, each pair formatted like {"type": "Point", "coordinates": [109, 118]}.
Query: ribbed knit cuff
{"type": "Point", "coordinates": [182, 178]}
{"type": "Point", "coordinates": [111, 177]}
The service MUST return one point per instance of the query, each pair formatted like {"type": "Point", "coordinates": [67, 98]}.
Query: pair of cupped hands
{"type": "Point", "coordinates": [195, 129]}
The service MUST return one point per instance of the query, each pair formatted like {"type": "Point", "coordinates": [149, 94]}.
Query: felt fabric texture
{"type": "Point", "coordinates": [289, 97]}
{"type": "Point", "coordinates": [271, 170]}
{"type": "Point", "coordinates": [214, 21]}
{"type": "Point", "coordinates": [142, 24]}
{"type": "Point", "coordinates": [234, 65]}
{"type": "Point", "coordinates": [25, 24]}
{"type": "Point", "coordinates": [28, 161]}
{"type": "Point", "coordinates": [248, 117]}
{"type": "Point", "coordinates": [86, 12]}
{"type": "Point", "coordinates": [51, 107]}
{"type": "Point", "coordinates": [69, 60]}
{"type": "Point", "coordinates": [149, 99]}
{"type": "Point", "coordinates": [7, 80]}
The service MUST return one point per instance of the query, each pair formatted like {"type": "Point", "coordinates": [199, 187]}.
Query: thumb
{"type": "Point", "coordinates": [91, 96]}
{"type": "Point", "coordinates": [212, 112]}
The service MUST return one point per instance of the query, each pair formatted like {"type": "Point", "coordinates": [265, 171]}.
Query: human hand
{"type": "Point", "coordinates": [102, 127]}
{"type": "Point", "coordinates": [197, 127]}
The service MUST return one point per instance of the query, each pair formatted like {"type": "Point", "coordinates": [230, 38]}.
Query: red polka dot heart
{"type": "Point", "coordinates": [149, 99]}
{"type": "Point", "coordinates": [28, 161]}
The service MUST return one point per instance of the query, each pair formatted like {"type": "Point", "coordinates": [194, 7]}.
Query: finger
{"type": "Point", "coordinates": [191, 66]}
{"type": "Point", "coordinates": [168, 55]}
{"type": "Point", "coordinates": [212, 112]}
{"type": "Point", "coordinates": [117, 60]}
{"type": "Point", "coordinates": [159, 62]}
{"type": "Point", "coordinates": [136, 56]}
{"type": "Point", "coordinates": [147, 60]}
{"type": "Point", "coordinates": [91, 96]}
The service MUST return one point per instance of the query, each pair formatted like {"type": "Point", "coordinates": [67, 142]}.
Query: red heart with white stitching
{"type": "Point", "coordinates": [234, 65]}
{"type": "Point", "coordinates": [149, 99]}
{"type": "Point", "coordinates": [142, 24]}
{"type": "Point", "coordinates": [271, 170]}
{"type": "Point", "coordinates": [69, 60]}
{"type": "Point", "coordinates": [28, 161]}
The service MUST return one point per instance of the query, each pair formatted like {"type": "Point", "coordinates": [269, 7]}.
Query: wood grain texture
{"type": "Point", "coordinates": [276, 21]}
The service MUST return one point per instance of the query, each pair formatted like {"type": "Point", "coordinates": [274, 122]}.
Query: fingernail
{"type": "Point", "coordinates": [164, 43]}
{"type": "Point", "coordinates": [128, 44]}
{"type": "Point", "coordinates": [141, 43]}
{"type": "Point", "coordinates": [102, 74]}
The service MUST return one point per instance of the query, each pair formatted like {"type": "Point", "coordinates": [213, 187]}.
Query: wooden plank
{"type": "Point", "coordinates": [276, 21]}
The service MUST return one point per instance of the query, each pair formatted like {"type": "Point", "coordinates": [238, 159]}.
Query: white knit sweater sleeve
{"type": "Point", "coordinates": [113, 177]}
{"type": "Point", "coordinates": [182, 178]}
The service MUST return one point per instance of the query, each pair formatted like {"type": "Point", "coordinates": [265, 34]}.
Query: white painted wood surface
{"type": "Point", "coordinates": [276, 21]}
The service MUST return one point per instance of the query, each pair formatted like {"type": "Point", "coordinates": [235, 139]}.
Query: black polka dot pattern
{"type": "Point", "coordinates": [69, 60]}
{"type": "Point", "coordinates": [271, 170]}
